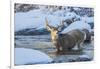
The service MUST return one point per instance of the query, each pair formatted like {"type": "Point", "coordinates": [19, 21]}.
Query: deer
{"type": "Point", "coordinates": [65, 42]}
{"type": "Point", "coordinates": [82, 25]}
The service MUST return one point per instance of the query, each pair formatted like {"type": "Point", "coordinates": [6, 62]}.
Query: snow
{"type": "Point", "coordinates": [76, 8]}
{"type": "Point", "coordinates": [59, 13]}
{"type": "Point", "coordinates": [71, 14]}
{"type": "Point", "coordinates": [77, 25]}
{"type": "Point", "coordinates": [88, 19]}
{"type": "Point", "coordinates": [30, 19]}
{"type": "Point", "coordinates": [36, 19]}
{"type": "Point", "coordinates": [27, 56]}
{"type": "Point", "coordinates": [85, 57]}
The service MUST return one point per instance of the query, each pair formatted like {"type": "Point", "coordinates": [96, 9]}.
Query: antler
{"type": "Point", "coordinates": [60, 26]}
{"type": "Point", "coordinates": [47, 25]}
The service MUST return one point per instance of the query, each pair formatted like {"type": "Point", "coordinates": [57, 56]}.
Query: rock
{"type": "Point", "coordinates": [71, 60]}
{"type": "Point", "coordinates": [84, 58]}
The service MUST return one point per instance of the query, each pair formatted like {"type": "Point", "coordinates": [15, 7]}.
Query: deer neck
{"type": "Point", "coordinates": [54, 37]}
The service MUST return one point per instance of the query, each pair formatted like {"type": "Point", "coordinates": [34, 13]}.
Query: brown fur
{"type": "Point", "coordinates": [65, 41]}
{"type": "Point", "coordinates": [69, 40]}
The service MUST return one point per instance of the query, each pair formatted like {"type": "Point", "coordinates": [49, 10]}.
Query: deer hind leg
{"type": "Point", "coordinates": [75, 47]}
{"type": "Point", "coordinates": [80, 45]}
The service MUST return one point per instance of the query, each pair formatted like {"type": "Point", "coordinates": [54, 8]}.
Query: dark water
{"type": "Point", "coordinates": [43, 43]}
{"type": "Point", "coordinates": [34, 38]}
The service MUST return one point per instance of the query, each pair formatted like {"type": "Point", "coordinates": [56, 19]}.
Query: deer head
{"type": "Point", "coordinates": [54, 30]}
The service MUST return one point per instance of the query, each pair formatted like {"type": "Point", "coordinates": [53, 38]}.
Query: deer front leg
{"type": "Point", "coordinates": [58, 48]}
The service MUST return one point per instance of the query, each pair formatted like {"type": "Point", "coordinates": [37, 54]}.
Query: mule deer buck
{"type": "Point", "coordinates": [67, 41]}
{"type": "Point", "coordinates": [82, 25]}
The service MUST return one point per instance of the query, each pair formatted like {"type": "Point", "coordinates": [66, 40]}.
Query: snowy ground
{"type": "Point", "coordinates": [41, 44]}
{"type": "Point", "coordinates": [36, 18]}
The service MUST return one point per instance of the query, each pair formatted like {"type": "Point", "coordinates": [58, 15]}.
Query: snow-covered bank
{"type": "Point", "coordinates": [33, 21]}
{"type": "Point", "coordinates": [50, 49]}
{"type": "Point", "coordinates": [30, 56]}
{"type": "Point", "coordinates": [77, 25]}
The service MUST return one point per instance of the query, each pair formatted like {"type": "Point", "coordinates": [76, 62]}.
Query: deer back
{"type": "Point", "coordinates": [70, 39]}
